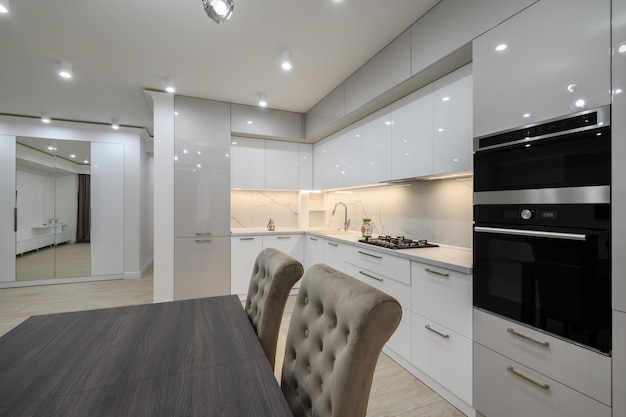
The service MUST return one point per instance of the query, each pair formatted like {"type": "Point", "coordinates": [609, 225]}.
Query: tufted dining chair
{"type": "Point", "coordinates": [337, 330]}
{"type": "Point", "coordinates": [273, 275]}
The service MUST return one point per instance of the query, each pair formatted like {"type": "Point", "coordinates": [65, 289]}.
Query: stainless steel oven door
{"type": "Point", "coordinates": [557, 281]}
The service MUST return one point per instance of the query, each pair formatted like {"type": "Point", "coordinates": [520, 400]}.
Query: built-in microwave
{"type": "Point", "coordinates": [562, 160]}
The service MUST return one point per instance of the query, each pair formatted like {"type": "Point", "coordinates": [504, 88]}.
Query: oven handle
{"type": "Point", "coordinates": [531, 233]}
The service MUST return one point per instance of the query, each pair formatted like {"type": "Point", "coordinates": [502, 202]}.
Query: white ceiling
{"type": "Point", "coordinates": [117, 48]}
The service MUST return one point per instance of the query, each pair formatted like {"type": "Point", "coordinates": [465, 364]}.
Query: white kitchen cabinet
{"type": "Point", "coordinates": [443, 355]}
{"type": "Point", "coordinates": [244, 251]}
{"type": "Point", "coordinates": [335, 254]}
{"type": "Point", "coordinates": [619, 363]}
{"type": "Point", "coordinates": [444, 296]}
{"type": "Point", "coordinates": [247, 163]}
{"type": "Point", "coordinates": [305, 166]}
{"type": "Point", "coordinates": [543, 73]}
{"type": "Point", "coordinates": [201, 198]}
{"type": "Point", "coordinates": [325, 113]}
{"type": "Point", "coordinates": [344, 158]}
{"type": "Point", "coordinates": [504, 387]}
{"type": "Point", "coordinates": [313, 250]}
{"type": "Point", "coordinates": [452, 102]}
{"type": "Point", "coordinates": [376, 146]}
{"type": "Point", "coordinates": [7, 207]}
{"type": "Point", "coordinates": [412, 135]}
{"type": "Point", "coordinates": [281, 165]}
{"type": "Point", "coordinates": [264, 122]}
{"type": "Point", "coordinates": [202, 168]}
{"type": "Point", "coordinates": [579, 368]}
{"type": "Point", "coordinates": [292, 245]}
{"type": "Point", "coordinates": [202, 267]}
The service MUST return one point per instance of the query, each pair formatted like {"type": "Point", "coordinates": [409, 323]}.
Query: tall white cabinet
{"type": "Point", "coordinates": [7, 206]}
{"type": "Point", "coordinates": [201, 198]}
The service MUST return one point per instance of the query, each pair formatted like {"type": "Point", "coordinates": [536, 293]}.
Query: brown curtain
{"type": "Point", "coordinates": [83, 228]}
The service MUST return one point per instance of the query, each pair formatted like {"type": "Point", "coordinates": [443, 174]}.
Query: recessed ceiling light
{"type": "Point", "coordinates": [115, 124]}
{"type": "Point", "coordinates": [445, 99]}
{"type": "Point", "coordinates": [580, 103]}
{"type": "Point", "coordinates": [526, 115]}
{"type": "Point", "coordinates": [72, 156]}
{"type": "Point", "coordinates": [250, 122]}
{"type": "Point", "coordinates": [45, 117]}
{"type": "Point", "coordinates": [501, 47]}
{"type": "Point", "coordinates": [169, 87]}
{"type": "Point", "coordinates": [262, 100]}
{"type": "Point", "coordinates": [285, 60]}
{"type": "Point", "coordinates": [4, 6]}
{"type": "Point", "coordinates": [65, 70]}
{"type": "Point", "coordinates": [219, 10]}
{"type": "Point", "coordinates": [85, 161]}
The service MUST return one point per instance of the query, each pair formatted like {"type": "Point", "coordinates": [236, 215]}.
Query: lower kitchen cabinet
{"type": "Point", "coordinates": [292, 245]}
{"type": "Point", "coordinates": [313, 250]}
{"type": "Point", "coordinates": [244, 251]}
{"type": "Point", "coordinates": [443, 355]}
{"type": "Point", "coordinates": [507, 388]}
{"type": "Point", "coordinates": [335, 254]}
{"type": "Point", "coordinates": [202, 267]}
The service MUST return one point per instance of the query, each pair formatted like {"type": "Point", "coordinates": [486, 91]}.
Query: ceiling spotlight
{"type": "Point", "coordinates": [169, 87]}
{"type": "Point", "coordinates": [4, 6]}
{"type": "Point", "coordinates": [501, 47]}
{"type": "Point", "coordinates": [115, 124]}
{"type": "Point", "coordinates": [285, 60]}
{"type": "Point", "coordinates": [262, 100]}
{"type": "Point", "coordinates": [65, 70]}
{"type": "Point", "coordinates": [219, 10]}
{"type": "Point", "coordinates": [45, 117]}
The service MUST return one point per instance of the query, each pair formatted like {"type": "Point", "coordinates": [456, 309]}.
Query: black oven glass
{"type": "Point", "coordinates": [579, 159]}
{"type": "Point", "coordinates": [552, 278]}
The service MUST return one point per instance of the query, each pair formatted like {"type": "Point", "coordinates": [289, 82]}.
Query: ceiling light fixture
{"type": "Point", "coordinates": [45, 117]}
{"type": "Point", "coordinates": [285, 60]}
{"type": "Point", "coordinates": [501, 47]}
{"type": "Point", "coordinates": [65, 70]}
{"type": "Point", "coordinates": [4, 6]}
{"type": "Point", "coordinates": [262, 100]}
{"type": "Point", "coordinates": [169, 87]}
{"type": "Point", "coordinates": [115, 124]}
{"type": "Point", "coordinates": [219, 10]}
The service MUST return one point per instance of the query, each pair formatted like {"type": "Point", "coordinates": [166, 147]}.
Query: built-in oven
{"type": "Point", "coordinates": [547, 266]}
{"type": "Point", "coordinates": [542, 225]}
{"type": "Point", "coordinates": [565, 160]}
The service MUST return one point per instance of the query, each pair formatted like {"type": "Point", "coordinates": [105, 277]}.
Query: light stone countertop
{"type": "Point", "coordinates": [445, 256]}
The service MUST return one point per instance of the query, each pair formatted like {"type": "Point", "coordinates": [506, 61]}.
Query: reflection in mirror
{"type": "Point", "coordinates": [53, 209]}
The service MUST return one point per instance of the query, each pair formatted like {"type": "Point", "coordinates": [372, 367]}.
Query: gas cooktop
{"type": "Point", "coordinates": [397, 242]}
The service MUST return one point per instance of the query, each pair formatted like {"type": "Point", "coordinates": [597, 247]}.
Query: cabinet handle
{"type": "Point", "coordinates": [246, 238]}
{"type": "Point", "coordinates": [313, 239]}
{"type": "Point", "coordinates": [284, 237]}
{"type": "Point", "coordinates": [332, 244]}
{"type": "Point", "coordinates": [523, 336]}
{"type": "Point", "coordinates": [441, 274]}
{"type": "Point", "coordinates": [445, 336]}
{"type": "Point", "coordinates": [203, 240]}
{"type": "Point", "coordinates": [527, 379]}
{"type": "Point", "coordinates": [203, 234]}
{"type": "Point", "coordinates": [369, 254]}
{"type": "Point", "coordinates": [371, 276]}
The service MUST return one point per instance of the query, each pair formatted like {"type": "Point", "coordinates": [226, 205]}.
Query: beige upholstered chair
{"type": "Point", "coordinates": [337, 330]}
{"type": "Point", "coordinates": [273, 276]}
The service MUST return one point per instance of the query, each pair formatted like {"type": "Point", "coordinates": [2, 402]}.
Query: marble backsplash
{"type": "Point", "coordinates": [438, 210]}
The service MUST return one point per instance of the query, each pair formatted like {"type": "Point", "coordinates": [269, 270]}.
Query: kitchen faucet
{"type": "Point", "coordinates": [346, 220]}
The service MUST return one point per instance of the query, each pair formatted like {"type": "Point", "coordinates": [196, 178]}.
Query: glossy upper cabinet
{"type": "Point", "coordinates": [556, 62]}
{"type": "Point", "coordinates": [202, 168]}
{"type": "Point", "coordinates": [281, 165]}
{"type": "Point", "coordinates": [376, 146]}
{"type": "Point", "coordinates": [412, 135]}
{"type": "Point", "coordinates": [305, 166]}
{"type": "Point", "coordinates": [337, 159]}
{"type": "Point", "coordinates": [247, 163]}
{"type": "Point", "coordinates": [452, 101]}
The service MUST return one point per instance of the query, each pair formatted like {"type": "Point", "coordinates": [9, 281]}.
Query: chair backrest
{"type": "Point", "coordinates": [337, 330]}
{"type": "Point", "coordinates": [273, 276]}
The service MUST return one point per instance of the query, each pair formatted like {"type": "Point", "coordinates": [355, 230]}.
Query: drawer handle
{"type": "Point", "coordinates": [445, 336]}
{"type": "Point", "coordinates": [369, 254]}
{"type": "Point", "coordinates": [203, 240]}
{"type": "Point", "coordinates": [284, 237]}
{"type": "Point", "coordinates": [313, 239]}
{"type": "Point", "coordinates": [523, 336]}
{"type": "Point", "coordinates": [527, 379]}
{"type": "Point", "coordinates": [203, 234]}
{"type": "Point", "coordinates": [332, 244]}
{"type": "Point", "coordinates": [246, 238]}
{"type": "Point", "coordinates": [371, 276]}
{"type": "Point", "coordinates": [441, 274]}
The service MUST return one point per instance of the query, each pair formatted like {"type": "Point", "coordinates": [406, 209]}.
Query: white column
{"type": "Point", "coordinates": [7, 205]}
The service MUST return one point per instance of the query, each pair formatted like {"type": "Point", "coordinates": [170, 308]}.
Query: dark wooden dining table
{"type": "Point", "coordinates": [191, 358]}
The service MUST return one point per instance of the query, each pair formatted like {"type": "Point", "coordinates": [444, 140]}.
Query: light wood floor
{"type": "Point", "coordinates": [395, 392]}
